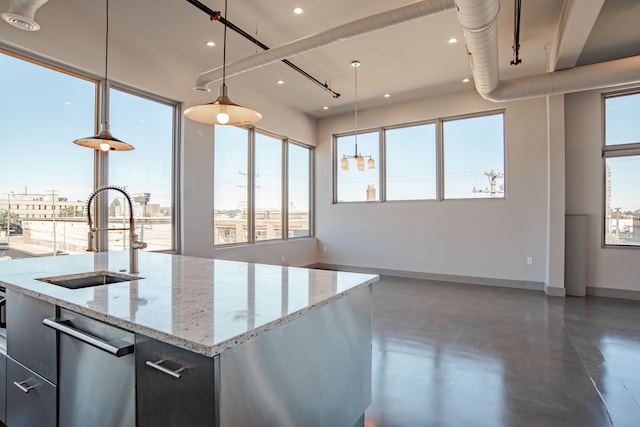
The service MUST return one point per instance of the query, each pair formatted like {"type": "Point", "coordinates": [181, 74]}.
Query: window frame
{"type": "Point", "coordinates": [613, 151]}
{"type": "Point", "coordinates": [176, 158]}
{"type": "Point", "coordinates": [251, 183]}
{"type": "Point", "coordinates": [439, 158]}
{"type": "Point", "coordinates": [98, 165]}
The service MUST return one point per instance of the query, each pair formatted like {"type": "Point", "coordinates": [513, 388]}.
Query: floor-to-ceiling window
{"type": "Point", "coordinates": [621, 154]}
{"type": "Point", "coordinates": [45, 179]}
{"type": "Point", "coordinates": [146, 172]}
{"type": "Point", "coordinates": [262, 187]}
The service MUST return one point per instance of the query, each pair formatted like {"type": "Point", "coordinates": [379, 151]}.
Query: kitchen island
{"type": "Point", "coordinates": [287, 346]}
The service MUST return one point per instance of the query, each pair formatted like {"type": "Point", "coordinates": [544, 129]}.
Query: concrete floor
{"type": "Point", "coordinates": [448, 354]}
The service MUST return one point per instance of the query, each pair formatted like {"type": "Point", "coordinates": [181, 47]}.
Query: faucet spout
{"type": "Point", "coordinates": [134, 243]}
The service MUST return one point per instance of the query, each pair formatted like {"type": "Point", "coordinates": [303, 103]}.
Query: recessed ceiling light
{"type": "Point", "coordinates": [465, 80]}
{"type": "Point", "coordinates": [298, 11]}
{"type": "Point", "coordinates": [280, 82]}
{"type": "Point", "coordinates": [210, 43]}
{"type": "Point", "coordinates": [386, 95]}
{"type": "Point", "coordinates": [325, 108]}
{"type": "Point", "coordinates": [453, 40]}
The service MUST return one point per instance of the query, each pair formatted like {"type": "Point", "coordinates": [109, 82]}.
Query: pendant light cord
{"type": "Point", "coordinates": [224, 48]}
{"type": "Point", "coordinates": [355, 70]}
{"type": "Point", "coordinates": [105, 113]}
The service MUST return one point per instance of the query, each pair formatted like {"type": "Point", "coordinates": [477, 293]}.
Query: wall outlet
{"type": "Point", "coordinates": [282, 258]}
{"type": "Point", "coordinates": [529, 260]}
{"type": "Point", "coordinates": [324, 249]}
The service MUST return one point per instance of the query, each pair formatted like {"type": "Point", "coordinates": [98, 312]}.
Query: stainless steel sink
{"type": "Point", "coordinates": [86, 280]}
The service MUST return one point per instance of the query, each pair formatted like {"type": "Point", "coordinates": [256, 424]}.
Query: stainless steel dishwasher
{"type": "Point", "coordinates": [96, 380]}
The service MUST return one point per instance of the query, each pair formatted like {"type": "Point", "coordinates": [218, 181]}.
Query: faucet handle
{"type": "Point", "coordinates": [90, 246]}
{"type": "Point", "coordinates": [139, 245]}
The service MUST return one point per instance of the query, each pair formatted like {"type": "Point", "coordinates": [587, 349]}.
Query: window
{"type": "Point", "coordinates": [410, 156]}
{"type": "Point", "coordinates": [49, 178]}
{"type": "Point", "coordinates": [251, 185]}
{"type": "Point", "coordinates": [299, 190]}
{"type": "Point", "coordinates": [146, 171]}
{"type": "Point", "coordinates": [459, 158]}
{"type": "Point", "coordinates": [268, 187]}
{"type": "Point", "coordinates": [473, 157]}
{"type": "Point", "coordinates": [231, 185]}
{"type": "Point", "coordinates": [621, 153]}
{"type": "Point", "coordinates": [357, 182]}
{"type": "Point", "coordinates": [42, 110]}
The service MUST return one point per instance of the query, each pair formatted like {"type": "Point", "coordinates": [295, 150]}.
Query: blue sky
{"type": "Point", "coordinates": [42, 111]}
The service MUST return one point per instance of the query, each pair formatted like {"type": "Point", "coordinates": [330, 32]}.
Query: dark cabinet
{"type": "Point", "coordinates": [96, 381]}
{"type": "Point", "coordinates": [3, 387]}
{"type": "Point", "coordinates": [32, 363]}
{"type": "Point", "coordinates": [28, 340]}
{"type": "Point", "coordinates": [31, 399]}
{"type": "Point", "coordinates": [175, 387]}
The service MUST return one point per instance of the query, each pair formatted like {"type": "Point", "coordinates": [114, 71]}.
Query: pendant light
{"type": "Point", "coordinates": [104, 141]}
{"type": "Point", "coordinates": [344, 162]}
{"type": "Point", "coordinates": [222, 111]}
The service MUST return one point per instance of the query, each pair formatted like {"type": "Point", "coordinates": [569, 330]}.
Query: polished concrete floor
{"type": "Point", "coordinates": [448, 354]}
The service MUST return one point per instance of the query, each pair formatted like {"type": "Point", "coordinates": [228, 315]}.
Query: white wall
{"type": "Point", "coordinates": [140, 63]}
{"type": "Point", "coordinates": [472, 238]}
{"type": "Point", "coordinates": [612, 268]}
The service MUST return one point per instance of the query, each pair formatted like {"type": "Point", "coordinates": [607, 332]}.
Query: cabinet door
{"type": "Point", "coordinates": [3, 387]}
{"type": "Point", "coordinates": [28, 340]}
{"type": "Point", "coordinates": [175, 387]}
{"type": "Point", "coordinates": [31, 400]}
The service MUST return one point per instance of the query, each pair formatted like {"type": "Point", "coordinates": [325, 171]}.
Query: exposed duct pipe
{"type": "Point", "coordinates": [22, 14]}
{"type": "Point", "coordinates": [346, 31]}
{"type": "Point", "coordinates": [479, 21]}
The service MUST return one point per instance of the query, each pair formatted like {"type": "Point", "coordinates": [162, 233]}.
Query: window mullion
{"type": "Point", "coordinates": [439, 161]}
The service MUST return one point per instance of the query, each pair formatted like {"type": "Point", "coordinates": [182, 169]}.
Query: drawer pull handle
{"type": "Point", "coordinates": [156, 365]}
{"type": "Point", "coordinates": [21, 386]}
{"type": "Point", "coordinates": [116, 348]}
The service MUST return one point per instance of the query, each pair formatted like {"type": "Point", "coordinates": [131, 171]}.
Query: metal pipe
{"type": "Point", "coordinates": [479, 21]}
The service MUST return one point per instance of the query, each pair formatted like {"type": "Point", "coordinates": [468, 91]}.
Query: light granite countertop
{"type": "Point", "coordinates": [203, 305]}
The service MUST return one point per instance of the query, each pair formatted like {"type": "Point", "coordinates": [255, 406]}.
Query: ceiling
{"type": "Point", "coordinates": [406, 61]}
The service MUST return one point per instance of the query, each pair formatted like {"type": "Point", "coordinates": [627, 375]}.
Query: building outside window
{"type": "Point", "coordinates": [621, 154]}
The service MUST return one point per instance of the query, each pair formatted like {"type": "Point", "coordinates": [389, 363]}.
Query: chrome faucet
{"type": "Point", "coordinates": [134, 243]}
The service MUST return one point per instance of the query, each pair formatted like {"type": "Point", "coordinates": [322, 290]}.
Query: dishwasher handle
{"type": "Point", "coordinates": [116, 348]}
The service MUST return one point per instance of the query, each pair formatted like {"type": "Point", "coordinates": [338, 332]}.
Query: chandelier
{"type": "Point", "coordinates": [344, 162]}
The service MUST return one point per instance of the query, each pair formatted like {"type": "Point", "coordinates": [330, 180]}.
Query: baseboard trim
{"type": "Point", "coordinates": [554, 291]}
{"type": "Point", "coordinates": [504, 283]}
{"type": "Point", "coordinates": [613, 293]}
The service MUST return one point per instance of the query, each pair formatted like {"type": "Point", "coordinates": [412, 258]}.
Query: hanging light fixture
{"type": "Point", "coordinates": [222, 111]}
{"type": "Point", "coordinates": [344, 162]}
{"type": "Point", "coordinates": [104, 141]}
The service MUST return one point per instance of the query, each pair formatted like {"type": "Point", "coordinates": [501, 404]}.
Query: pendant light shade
{"type": "Point", "coordinates": [104, 141]}
{"type": "Point", "coordinates": [222, 111]}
